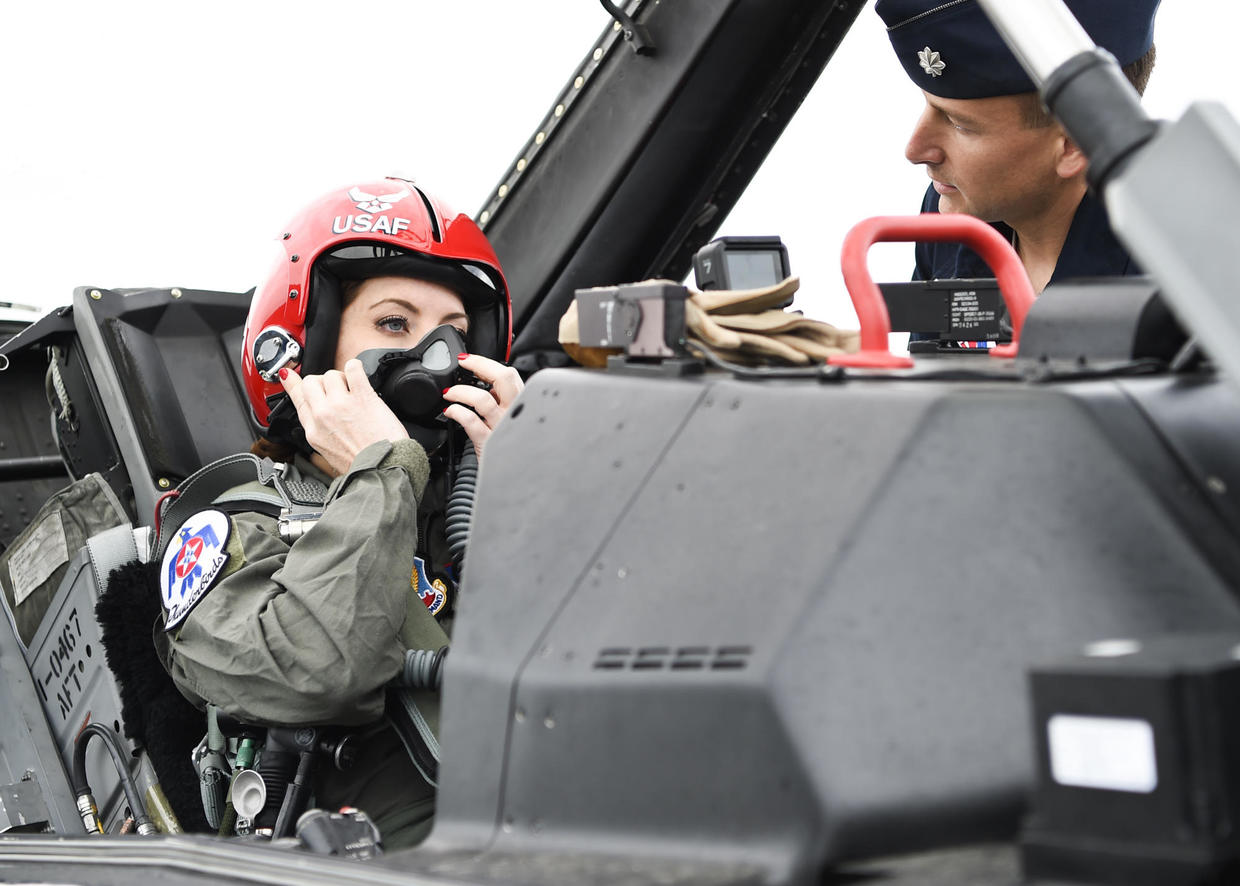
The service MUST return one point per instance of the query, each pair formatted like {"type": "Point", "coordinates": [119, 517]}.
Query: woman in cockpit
{"type": "Point", "coordinates": [301, 611]}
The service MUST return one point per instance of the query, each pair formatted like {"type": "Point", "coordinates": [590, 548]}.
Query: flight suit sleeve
{"type": "Point", "coordinates": [309, 633]}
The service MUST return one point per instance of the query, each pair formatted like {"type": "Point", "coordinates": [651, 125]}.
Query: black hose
{"type": "Point", "coordinates": [276, 767]}
{"type": "Point", "coordinates": [112, 742]}
{"type": "Point", "coordinates": [461, 506]}
{"type": "Point", "coordinates": [294, 800]}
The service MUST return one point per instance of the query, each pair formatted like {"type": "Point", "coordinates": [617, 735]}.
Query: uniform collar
{"type": "Point", "coordinates": [1091, 248]}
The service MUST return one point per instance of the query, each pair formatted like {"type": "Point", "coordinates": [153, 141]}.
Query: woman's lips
{"type": "Point", "coordinates": [943, 188]}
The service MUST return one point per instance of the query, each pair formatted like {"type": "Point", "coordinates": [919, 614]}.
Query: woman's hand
{"type": "Point", "coordinates": [341, 413]}
{"type": "Point", "coordinates": [479, 411]}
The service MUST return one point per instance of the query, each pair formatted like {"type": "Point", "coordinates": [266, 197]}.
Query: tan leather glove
{"type": "Point", "coordinates": [742, 326]}
{"type": "Point", "coordinates": [747, 301]}
{"type": "Point", "coordinates": [747, 326]}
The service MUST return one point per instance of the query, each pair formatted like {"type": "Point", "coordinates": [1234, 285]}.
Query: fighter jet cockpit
{"type": "Point", "coordinates": [938, 584]}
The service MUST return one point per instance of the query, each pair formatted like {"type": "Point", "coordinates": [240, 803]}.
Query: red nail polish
{"type": "Point", "coordinates": [283, 374]}
{"type": "Point", "coordinates": [445, 390]}
{"type": "Point", "coordinates": [461, 356]}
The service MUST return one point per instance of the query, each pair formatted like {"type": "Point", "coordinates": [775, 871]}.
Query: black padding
{"type": "Point", "coordinates": [322, 321]}
{"type": "Point", "coordinates": [155, 714]}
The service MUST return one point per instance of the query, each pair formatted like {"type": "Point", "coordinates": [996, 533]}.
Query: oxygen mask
{"type": "Point", "coordinates": [411, 382]}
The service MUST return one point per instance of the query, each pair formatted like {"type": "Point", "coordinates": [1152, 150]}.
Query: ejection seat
{"type": "Point", "coordinates": [145, 388]}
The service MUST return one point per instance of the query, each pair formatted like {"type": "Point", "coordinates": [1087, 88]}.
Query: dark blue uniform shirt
{"type": "Point", "coordinates": [1090, 250]}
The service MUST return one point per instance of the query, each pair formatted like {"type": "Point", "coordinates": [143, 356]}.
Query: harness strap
{"type": "Point", "coordinates": [414, 714]}
{"type": "Point", "coordinates": [108, 550]}
{"type": "Point", "coordinates": [232, 481]}
{"type": "Point", "coordinates": [253, 493]}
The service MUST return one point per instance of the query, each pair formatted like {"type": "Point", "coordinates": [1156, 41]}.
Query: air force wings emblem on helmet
{"type": "Point", "coordinates": [376, 202]}
{"type": "Point", "coordinates": [193, 560]}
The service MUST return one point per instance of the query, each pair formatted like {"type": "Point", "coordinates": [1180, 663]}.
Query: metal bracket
{"type": "Point", "coordinates": [636, 35]}
{"type": "Point", "coordinates": [22, 807]}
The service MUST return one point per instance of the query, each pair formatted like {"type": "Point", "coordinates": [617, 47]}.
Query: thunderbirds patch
{"type": "Point", "coordinates": [193, 560]}
{"type": "Point", "coordinates": [434, 593]}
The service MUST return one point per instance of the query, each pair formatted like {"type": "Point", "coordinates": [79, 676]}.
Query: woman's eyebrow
{"type": "Point", "coordinates": [414, 309]}
{"type": "Point", "coordinates": [399, 302]}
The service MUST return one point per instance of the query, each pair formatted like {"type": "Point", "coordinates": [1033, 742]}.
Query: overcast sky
{"type": "Point", "coordinates": [164, 144]}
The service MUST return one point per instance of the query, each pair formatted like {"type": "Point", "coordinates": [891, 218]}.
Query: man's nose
{"type": "Point", "coordinates": [923, 145]}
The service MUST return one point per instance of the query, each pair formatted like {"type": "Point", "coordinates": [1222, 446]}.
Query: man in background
{"type": "Point", "coordinates": [992, 150]}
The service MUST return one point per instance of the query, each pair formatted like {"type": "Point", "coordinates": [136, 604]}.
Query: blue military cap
{"type": "Point", "coordinates": [950, 49]}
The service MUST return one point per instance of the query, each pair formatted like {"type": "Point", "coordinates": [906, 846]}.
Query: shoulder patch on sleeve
{"type": "Point", "coordinates": [192, 562]}
{"type": "Point", "coordinates": [433, 592]}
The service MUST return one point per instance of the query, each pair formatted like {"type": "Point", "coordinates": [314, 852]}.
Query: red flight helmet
{"type": "Point", "coordinates": [389, 227]}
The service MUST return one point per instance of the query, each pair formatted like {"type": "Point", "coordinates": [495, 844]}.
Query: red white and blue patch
{"type": "Point", "coordinates": [434, 593]}
{"type": "Point", "coordinates": [193, 560]}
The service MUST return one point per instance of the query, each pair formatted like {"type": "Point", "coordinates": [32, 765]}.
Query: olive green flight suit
{"type": "Point", "coordinates": [311, 633]}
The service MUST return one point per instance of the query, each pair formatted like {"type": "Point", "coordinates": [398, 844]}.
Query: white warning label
{"type": "Point", "coordinates": [968, 313]}
{"type": "Point", "coordinates": [38, 556]}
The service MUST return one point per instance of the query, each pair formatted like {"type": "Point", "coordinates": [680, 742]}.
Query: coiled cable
{"type": "Point", "coordinates": [423, 669]}
{"type": "Point", "coordinates": [461, 506]}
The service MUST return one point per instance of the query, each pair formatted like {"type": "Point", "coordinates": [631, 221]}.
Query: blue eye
{"type": "Point", "coordinates": [394, 323]}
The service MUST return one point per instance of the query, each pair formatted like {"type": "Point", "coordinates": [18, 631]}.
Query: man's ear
{"type": "Point", "coordinates": [1072, 160]}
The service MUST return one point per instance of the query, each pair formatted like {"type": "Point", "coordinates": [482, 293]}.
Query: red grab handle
{"type": "Point", "coordinates": [953, 227]}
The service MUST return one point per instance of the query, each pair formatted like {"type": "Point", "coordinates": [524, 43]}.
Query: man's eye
{"type": "Point", "coordinates": [954, 124]}
{"type": "Point", "coordinates": [395, 323]}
